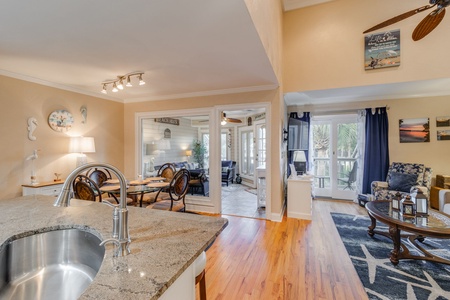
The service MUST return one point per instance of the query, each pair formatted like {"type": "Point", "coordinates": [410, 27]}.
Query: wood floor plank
{"type": "Point", "coordinates": [292, 259]}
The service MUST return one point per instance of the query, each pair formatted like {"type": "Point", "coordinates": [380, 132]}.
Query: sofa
{"type": "Point", "coordinates": [199, 183]}
{"type": "Point", "coordinates": [228, 171]}
{"type": "Point", "coordinates": [404, 178]}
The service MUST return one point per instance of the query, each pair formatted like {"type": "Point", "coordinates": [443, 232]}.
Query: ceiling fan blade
{"type": "Point", "coordinates": [399, 18]}
{"type": "Point", "coordinates": [429, 23]}
{"type": "Point", "coordinates": [231, 120]}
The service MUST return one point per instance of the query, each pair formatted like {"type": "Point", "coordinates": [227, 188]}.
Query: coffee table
{"type": "Point", "coordinates": [436, 225]}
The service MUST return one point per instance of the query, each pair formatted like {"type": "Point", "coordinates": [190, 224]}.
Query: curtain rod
{"type": "Point", "coordinates": [340, 111]}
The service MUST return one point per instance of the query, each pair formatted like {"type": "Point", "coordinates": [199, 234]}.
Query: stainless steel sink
{"type": "Point", "coordinates": [52, 265]}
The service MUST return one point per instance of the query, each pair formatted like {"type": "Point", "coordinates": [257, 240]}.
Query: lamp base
{"type": "Point", "coordinates": [81, 160]}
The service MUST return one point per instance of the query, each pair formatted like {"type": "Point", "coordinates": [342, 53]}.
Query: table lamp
{"type": "Point", "coordinates": [82, 145]}
{"type": "Point", "coordinates": [299, 160]}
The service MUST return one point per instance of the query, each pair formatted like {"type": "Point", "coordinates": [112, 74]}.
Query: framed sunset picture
{"type": "Point", "coordinates": [414, 130]}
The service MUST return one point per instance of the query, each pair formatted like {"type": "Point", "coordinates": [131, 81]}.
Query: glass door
{"type": "Point", "coordinates": [335, 151]}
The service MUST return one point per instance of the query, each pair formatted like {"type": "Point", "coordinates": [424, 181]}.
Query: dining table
{"type": "Point", "coordinates": [136, 189]}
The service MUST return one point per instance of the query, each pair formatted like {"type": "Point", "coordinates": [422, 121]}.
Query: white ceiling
{"type": "Point", "coordinates": [185, 48]}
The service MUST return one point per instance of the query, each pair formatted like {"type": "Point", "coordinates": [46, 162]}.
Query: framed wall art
{"type": "Point", "coordinates": [382, 50]}
{"type": "Point", "coordinates": [414, 130]}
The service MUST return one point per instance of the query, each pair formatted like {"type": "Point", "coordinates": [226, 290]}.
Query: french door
{"type": "Point", "coordinates": [335, 156]}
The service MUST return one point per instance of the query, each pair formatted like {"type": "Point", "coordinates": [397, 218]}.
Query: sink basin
{"type": "Point", "coordinates": [51, 265]}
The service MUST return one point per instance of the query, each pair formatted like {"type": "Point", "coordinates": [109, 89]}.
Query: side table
{"type": "Point", "coordinates": [46, 188]}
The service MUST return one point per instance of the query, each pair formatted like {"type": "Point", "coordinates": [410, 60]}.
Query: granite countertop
{"type": "Point", "coordinates": [163, 244]}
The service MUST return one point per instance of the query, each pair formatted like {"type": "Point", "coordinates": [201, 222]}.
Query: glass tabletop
{"type": "Point", "coordinates": [434, 219]}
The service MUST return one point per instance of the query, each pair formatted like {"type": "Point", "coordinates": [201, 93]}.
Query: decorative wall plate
{"type": "Point", "coordinates": [60, 120]}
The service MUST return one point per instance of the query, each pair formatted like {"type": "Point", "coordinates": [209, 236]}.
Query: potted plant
{"type": "Point", "coordinates": [198, 152]}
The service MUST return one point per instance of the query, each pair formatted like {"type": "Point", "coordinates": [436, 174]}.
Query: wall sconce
{"type": "Point", "coordinates": [82, 145]}
{"type": "Point", "coordinates": [285, 134]}
{"type": "Point", "coordinates": [117, 84]}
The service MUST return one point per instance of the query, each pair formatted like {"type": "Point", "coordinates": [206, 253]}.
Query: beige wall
{"type": "Point", "coordinates": [21, 100]}
{"type": "Point", "coordinates": [324, 46]}
{"type": "Point", "coordinates": [433, 154]}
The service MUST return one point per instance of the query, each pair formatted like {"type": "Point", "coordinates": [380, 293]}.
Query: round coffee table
{"type": "Point", "coordinates": [435, 224]}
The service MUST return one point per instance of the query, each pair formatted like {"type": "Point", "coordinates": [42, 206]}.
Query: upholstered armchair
{"type": "Point", "coordinates": [403, 178]}
{"type": "Point", "coordinates": [228, 171]}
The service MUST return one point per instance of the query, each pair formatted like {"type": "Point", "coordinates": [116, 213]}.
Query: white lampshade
{"type": "Point", "coordinates": [82, 144]}
{"type": "Point", "coordinates": [188, 152]}
{"type": "Point", "coordinates": [299, 156]}
{"type": "Point", "coordinates": [151, 148]}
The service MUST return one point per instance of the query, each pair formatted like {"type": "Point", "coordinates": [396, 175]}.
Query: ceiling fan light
{"type": "Point", "coordinates": [115, 90]}
{"type": "Point", "coordinates": [128, 82]}
{"type": "Point", "coordinates": [104, 89]}
{"type": "Point", "coordinates": [223, 122]}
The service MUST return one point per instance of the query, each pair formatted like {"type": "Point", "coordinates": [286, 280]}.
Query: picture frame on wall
{"type": "Point", "coordinates": [443, 135]}
{"type": "Point", "coordinates": [382, 50]}
{"type": "Point", "coordinates": [414, 130]}
{"type": "Point", "coordinates": [443, 121]}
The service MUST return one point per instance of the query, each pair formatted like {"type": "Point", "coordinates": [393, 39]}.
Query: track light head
{"type": "Point", "coordinates": [120, 85]}
{"type": "Point", "coordinates": [128, 82]}
{"type": "Point", "coordinates": [115, 90]}
{"type": "Point", "coordinates": [141, 81]}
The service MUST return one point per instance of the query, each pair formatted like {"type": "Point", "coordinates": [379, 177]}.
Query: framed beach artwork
{"type": "Point", "coordinates": [443, 135]}
{"type": "Point", "coordinates": [443, 121]}
{"type": "Point", "coordinates": [382, 50]}
{"type": "Point", "coordinates": [414, 130]}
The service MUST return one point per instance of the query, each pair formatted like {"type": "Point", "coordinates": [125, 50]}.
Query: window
{"type": "Point", "coordinates": [247, 153]}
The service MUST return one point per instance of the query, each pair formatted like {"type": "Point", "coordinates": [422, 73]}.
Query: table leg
{"type": "Point", "coordinates": [372, 226]}
{"type": "Point", "coordinates": [395, 235]}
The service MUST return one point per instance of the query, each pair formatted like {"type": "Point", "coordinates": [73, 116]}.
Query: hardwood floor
{"type": "Point", "coordinates": [294, 259]}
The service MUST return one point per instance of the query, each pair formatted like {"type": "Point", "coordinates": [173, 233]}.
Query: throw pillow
{"type": "Point", "coordinates": [402, 182]}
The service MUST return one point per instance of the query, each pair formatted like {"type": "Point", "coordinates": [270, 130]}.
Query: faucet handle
{"type": "Point", "coordinates": [112, 240]}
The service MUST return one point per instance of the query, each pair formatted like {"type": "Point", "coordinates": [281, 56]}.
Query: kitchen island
{"type": "Point", "coordinates": [163, 244]}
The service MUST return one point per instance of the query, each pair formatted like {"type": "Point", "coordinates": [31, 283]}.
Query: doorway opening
{"type": "Point", "coordinates": [243, 155]}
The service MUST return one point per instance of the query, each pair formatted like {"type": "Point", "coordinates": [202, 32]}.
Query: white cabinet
{"type": "Point", "coordinates": [299, 201]}
{"type": "Point", "coordinates": [261, 186]}
{"type": "Point", "coordinates": [49, 189]}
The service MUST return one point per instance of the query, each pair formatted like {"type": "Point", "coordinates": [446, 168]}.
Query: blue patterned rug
{"type": "Point", "coordinates": [410, 279]}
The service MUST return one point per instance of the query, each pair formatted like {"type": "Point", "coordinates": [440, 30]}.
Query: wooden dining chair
{"type": "Point", "coordinates": [85, 188]}
{"type": "Point", "coordinates": [167, 171]}
{"type": "Point", "coordinates": [174, 198]}
{"type": "Point", "coordinates": [99, 176]}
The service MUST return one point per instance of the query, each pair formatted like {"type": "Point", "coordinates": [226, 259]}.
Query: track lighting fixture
{"type": "Point", "coordinates": [117, 84]}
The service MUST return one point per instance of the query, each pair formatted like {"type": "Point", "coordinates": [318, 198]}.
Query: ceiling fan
{"type": "Point", "coordinates": [230, 120]}
{"type": "Point", "coordinates": [430, 22]}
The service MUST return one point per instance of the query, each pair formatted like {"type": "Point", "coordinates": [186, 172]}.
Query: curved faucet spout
{"type": "Point", "coordinates": [120, 228]}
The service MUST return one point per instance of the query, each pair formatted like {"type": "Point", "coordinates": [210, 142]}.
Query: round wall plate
{"type": "Point", "coordinates": [60, 120]}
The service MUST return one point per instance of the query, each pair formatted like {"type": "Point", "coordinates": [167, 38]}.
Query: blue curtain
{"type": "Point", "coordinates": [306, 118]}
{"type": "Point", "coordinates": [376, 154]}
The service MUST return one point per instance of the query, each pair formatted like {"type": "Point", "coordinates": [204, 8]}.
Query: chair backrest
{"type": "Point", "coordinates": [167, 171]}
{"type": "Point", "coordinates": [179, 185]}
{"type": "Point", "coordinates": [352, 174]}
{"type": "Point", "coordinates": [86, 189]}
{"type": "Point", "coordinates": [99, 176]}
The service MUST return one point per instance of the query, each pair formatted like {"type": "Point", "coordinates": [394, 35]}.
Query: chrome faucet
{"type": "Point", "coordinates": [120, 236]}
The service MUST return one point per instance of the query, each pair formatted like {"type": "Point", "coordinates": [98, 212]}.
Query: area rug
{"type": "Point", "coordinates": [252, 191]}
{"type": "Point", "coordinates": [410, 279]}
